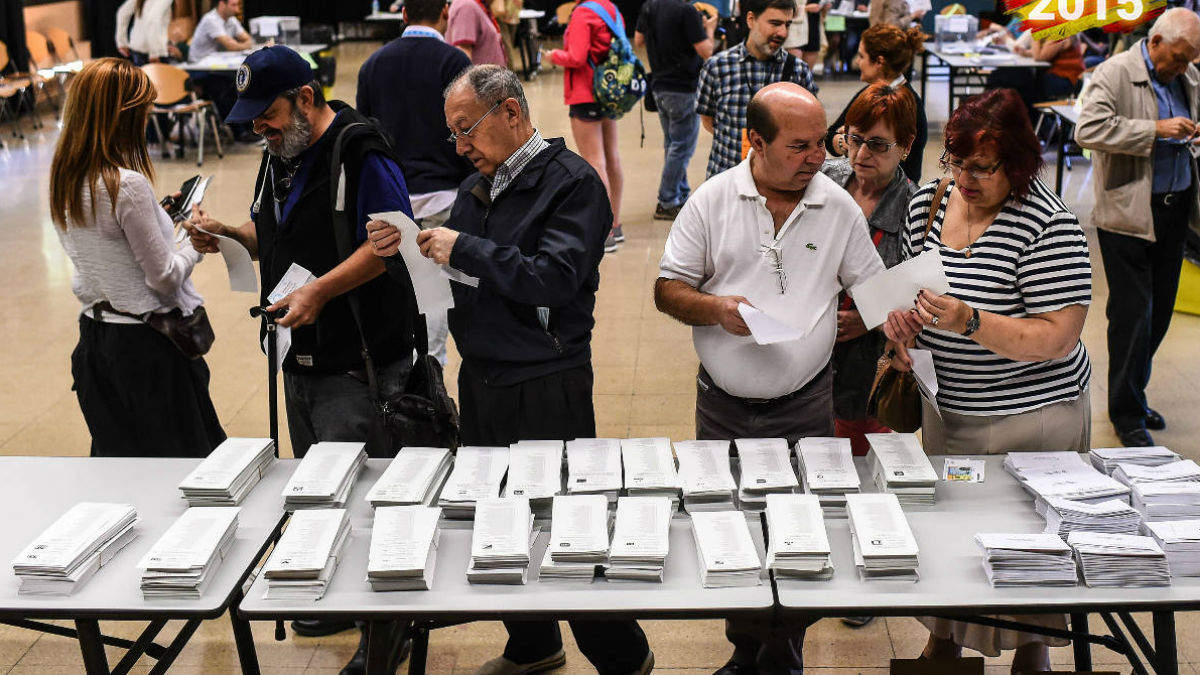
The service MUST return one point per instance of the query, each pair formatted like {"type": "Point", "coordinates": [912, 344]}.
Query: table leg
{"type": "Point", "coordinates": [420, 649]}
{"type": "Point", "coordinates": [91, 644]}
{"type": "Point", "coordinates": [950, 91]}
{"type": "Point", "coordinates": [1166, 658]}
{"type": "Point", "coordinates": [924, 72]}
{"type": "Point", "coordinates": [243, 639]}
{"type": "Point", "coordinates": [176, 646]}
{"type": "Point", "coordinates": [379, 646]}
{"type": "Point", "coordinates": [1082, 648]}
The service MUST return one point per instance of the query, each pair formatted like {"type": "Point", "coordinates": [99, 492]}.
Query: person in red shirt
{"type": "Point", "coordinates": [585, 43]}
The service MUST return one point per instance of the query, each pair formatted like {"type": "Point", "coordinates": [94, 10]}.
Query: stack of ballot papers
{"type": "Point", "coordinates": [74, 547]}
{"type": "Point", "coordinates": [884, 546]}
{"type": "Point", "coordinates": [535, 473]}
{"type": "Point", "coordinates": [594, 467]}
{"type": "Point", "coordinates": [726, 550]}
{"type": "Point", "coordinates": [1064, 516]}
{"type": "Point", "coordinates": [413, 477]}
{"type": "Point", "coordinates": [1166, 501]}
{"type": "Point", "coordinates": [1181, 471]}
{"type": "Point", "coordinates": [325, 476]}
{"type": "Point", "coordinates": [827, 471]}
{"type": "Point", "coordinates": [765, 466]}
{"type": "Point", "coordinates": [404, 542]}
{"type": "Point", "coordinates": [1120, 560]}
{"type": "Point", "coordinates": [578, 538]}
{"type": "Point", "coordinates": [1074, 481]}
{"type": "Point", "coordinates": [306, 556]}
{"type": "Point", "coordinates": [650, 469]}
{"type": "Point", "coordinates": [1027, 560]}
{"type": "Point", "coordinates": [501, 541]}
{"type": "Point", "coordinates": [641, 539]}
{"type": "Point", "coordinates": [708, 484]}
{"type": "Point", "coordinates": [1180, 539]}
{"type": "Point", "coordinates": [799, 545]}
{"type": "Point", "coordinates": [478, 473]}
{"type": "Point", "coordinates": [184, 560]}
{"type": "Point", "coordinates": [900, 466]}
{"type": "Point", "coordinates": [1106, 459]}
{"type": "Point", "coordinates": [1021, 464]}
{"type": "Point", "coordinates": [229, 472]}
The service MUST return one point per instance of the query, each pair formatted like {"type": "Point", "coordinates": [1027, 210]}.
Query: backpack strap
{"type": "Point", "coordinates": [617, 29]}
{"type": "Point", "coordinates": [789, 68]}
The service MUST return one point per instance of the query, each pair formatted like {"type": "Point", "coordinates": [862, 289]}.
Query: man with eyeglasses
{"type": "Point", "coordinates": [530, 227]}
{"type": "Point", "coordinates": [774, 235]}
{"type": "Point", "coordinates": [1138, 119]}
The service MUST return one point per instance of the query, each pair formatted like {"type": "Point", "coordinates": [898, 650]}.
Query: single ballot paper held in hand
{"type": "Point", "coordinates": [897, 287]}
{"type": "Point", "coordinates": [430, 284]}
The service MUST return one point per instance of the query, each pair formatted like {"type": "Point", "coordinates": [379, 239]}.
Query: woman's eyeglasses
{"type": "Point", "coordinates": [875, 145]}
{"type": "Point", "coordinates": [955, 169]}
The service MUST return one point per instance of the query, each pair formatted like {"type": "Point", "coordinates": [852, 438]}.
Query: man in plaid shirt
{"type": "Point", "coordinates": [730, 79]}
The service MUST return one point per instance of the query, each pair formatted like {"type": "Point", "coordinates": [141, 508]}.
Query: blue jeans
{"type": "Point", "coordinates": [681, 126]}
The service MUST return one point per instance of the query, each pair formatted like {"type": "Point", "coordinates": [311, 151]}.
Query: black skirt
{"type": "Point", "coordinates": [140, 397]}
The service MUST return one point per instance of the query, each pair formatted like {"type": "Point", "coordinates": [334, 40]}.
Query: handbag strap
{"type": "Point", "coordinates": [935, 205]}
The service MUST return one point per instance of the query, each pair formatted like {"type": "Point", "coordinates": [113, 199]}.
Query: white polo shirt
{"type": "Point", "coordinates": [720, 245]}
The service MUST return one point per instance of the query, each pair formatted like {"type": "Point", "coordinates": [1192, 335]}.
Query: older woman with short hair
{"type": "Point", "coordinates": [1012, 372]}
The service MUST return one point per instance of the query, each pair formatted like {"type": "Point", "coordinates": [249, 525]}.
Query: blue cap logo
{"type": "Point", "coordinates": [243, 78]}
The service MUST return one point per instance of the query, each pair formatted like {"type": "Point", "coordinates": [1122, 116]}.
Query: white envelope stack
{"type": "Point", "coordinates": [1106, 459]}
{"type": "Point", "coordinates": [1063, 475]}
{"type": "Point", "coordinates": [764, 467]}
{"type": "Point", "coordinates": [74, 547]}
{"type": "Point", "coordinates": [1181, 471]}
{"type": "Point", "coordinates": [1120, 560]}
{"type": "Point", "coordinates": [650, 469]}
{"type": "Point", "coordinates": [477, 474]}
{"type": "Point", "coordinates": [1027, 560]}
{"type": "Point", "coordinates": [307, 555]}
{"type": "Point", "coordinates": [594, 467]}
{"type": "Point", "coordinates": [799, 545]}
{"type": "Point", "coordinates": [404, 543]}
{"type": "Point", "coordinates": [884, 546]}
{"type": "Point", "coordinates": [325, 476]}
{"type": "Point", "coordinates": [708, 484]}
{"type": "Point", "coordinates": [827, 471]}
{"type": "Point", "coordinates": [501, 541]}
{"type": "Point", "coordinates": [578, 538]}
{"type": "Point", "coordinates": [900, 466]}
{"type": "Point", "coordinates": [726, 550]}
{"type": "Point", "coordinates": [412, 477]}
{"type": "Point", "coordinates": [229, 472]}
{"type": "Point", "coordinates": [535, 473]}
{"type": "Point", "coordinates": [641, 539]}
{"type": "Point", "coordinates": [1180, 540]}
{"type": "Point", "coordinates": [1064, 516]}
{"type": "Point", "coordinates": [182, 563]}
{"type": "Point", "coordinates": [1166, 501]}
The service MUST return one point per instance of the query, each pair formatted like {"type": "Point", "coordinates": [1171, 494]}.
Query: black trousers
{"type": "Point", "coordinates": [140, 397]}
{"type": "Point", "coordinates": [766, 645]}
{"type": "Point", "coordinates": [554, 406]}
{"type": "Point", "coordinates": [1143, 278]}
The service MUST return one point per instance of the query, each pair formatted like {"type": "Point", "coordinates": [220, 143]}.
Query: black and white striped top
{"type": "Point", "coordinates": [1033, 258]}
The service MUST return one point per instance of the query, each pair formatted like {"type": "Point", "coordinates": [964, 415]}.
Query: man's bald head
{"type": "Point", "coordinates": [780, 105]}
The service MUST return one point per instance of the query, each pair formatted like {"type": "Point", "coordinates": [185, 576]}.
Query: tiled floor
{"type": "Point", "coordinates": [644, 364]}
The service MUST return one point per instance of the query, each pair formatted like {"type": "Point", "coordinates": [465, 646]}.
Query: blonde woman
{"type": "Point", "coordinates": [139, 394]}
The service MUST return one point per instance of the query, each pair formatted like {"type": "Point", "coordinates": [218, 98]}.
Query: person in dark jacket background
{"type": "Point", "coordinates": [530, 225]}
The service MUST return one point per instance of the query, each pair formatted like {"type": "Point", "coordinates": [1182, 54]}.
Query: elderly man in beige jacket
{"type": "Point", "coordinates": [1137, 117]}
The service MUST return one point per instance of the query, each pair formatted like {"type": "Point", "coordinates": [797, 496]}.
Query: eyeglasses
{"type": "Point", "coordinates": [955, 169]}
{"type": "Point", "coordinates": [455, 135]}
{"type": "Point", "coordinates": [875, 145]}
{"type": "Point", "coordinates": [775, 253]}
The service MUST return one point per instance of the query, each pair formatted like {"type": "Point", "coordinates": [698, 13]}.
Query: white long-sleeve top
{"type": "Point", "coordinates": [130, 259]}
{"type": "Point", "coordinates": [149, 32]}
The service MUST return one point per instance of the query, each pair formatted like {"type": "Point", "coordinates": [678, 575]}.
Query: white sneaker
{"type": "Point", "coordinates": [502, 666]}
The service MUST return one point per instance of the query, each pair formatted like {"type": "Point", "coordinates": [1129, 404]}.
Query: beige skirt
{"type": "Point", "coordinates": [1058, 426]}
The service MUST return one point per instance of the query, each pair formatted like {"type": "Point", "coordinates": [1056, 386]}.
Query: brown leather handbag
{"type": "Point", "coordinates": [895, 398]}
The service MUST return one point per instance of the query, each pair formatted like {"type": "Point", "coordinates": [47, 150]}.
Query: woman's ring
{"type": "Point", "coordinates": [933, 321]}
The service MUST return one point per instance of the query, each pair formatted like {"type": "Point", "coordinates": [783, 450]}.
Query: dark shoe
{"type": "Point", "coordinates": [857, 621]}
{"type": "Point", "coordinates": [735, 668]}
{"type": "Point", "coordinates": [670, 213]}
{"type": "Point", "coordinates": [1136, 438]}
{"type": "Point", "coordinates": [618, 234]}
{"type": "Point", "coordinates": [1154, 420]}
{"type": "Point", "coordinates": [358, 662]}
{"type": "Point", "coordinates": [320, 627]}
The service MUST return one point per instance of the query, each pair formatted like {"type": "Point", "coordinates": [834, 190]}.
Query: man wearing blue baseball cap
{"type": "Point", "coordinates": [293, 221]}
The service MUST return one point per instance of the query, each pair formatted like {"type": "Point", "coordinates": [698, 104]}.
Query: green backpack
{"type": "Point", "coordinates": [620, 80]}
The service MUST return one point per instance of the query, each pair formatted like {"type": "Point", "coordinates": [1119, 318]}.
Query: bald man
{"type": "Point", "coordinates": [777, 235]}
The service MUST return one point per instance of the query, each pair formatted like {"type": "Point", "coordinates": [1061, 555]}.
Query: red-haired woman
{"type": "Point", "coordinates": [1012, 372]}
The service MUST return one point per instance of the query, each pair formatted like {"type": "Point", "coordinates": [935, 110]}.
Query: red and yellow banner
{"type": "Point", "coordinates": [1057, 19]}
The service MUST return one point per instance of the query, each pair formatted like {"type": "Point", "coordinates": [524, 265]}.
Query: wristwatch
{"type": "Point", "coordinates": [972, 323]}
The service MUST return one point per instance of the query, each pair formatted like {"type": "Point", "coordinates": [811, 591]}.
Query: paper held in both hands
{"type": "Point", "coordinates": [431, 281]}
{"type": "Point", "coordinates": [404, 543]}
{"type": "Point", "coordinates": [74, 547]}
{"type": "Point", "coordinates": [896, 288]}
{"type": "Point", "coordinates": [477, 474]}
{"type": "Point", "coordinates": [641, 539]}
{"type": "Point", "coordinates": [184, 560]}
{"type": "Point", "coordinates": [306, 555]}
